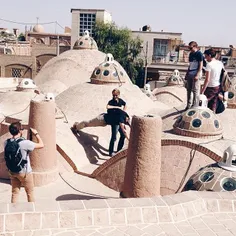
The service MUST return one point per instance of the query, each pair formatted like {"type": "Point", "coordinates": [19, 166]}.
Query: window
{"type": "Point", "coordinates": [196, 123]}
{"type": "Point", "coordinates": [15, 72]}
{"type": "Point", "coordinates": [86, 23]}
{"type": "Point", "coordinates": [160, 48]}
{"type": "Point", "coordinates": [207, 177]}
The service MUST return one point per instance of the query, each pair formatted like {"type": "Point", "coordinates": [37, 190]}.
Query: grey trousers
{"type": "Point", "coordinates": [192, 86]}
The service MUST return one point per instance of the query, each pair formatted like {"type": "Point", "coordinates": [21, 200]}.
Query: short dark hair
{"type": "Point", "coordinates": [210, 52]}
{"type": "Point", "coordinates": [193, 44]}
{"type": "Point", "coordinates": [15, 128]}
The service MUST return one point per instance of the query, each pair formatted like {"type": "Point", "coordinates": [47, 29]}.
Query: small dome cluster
{"type": "Point", "coordinates": [109, 72]}
{"type": "Point", "coordinates": [175, 79]}
{"type": "Point", "coordinates": [26, 84]}
{"type": "Point", "coordinates": [229, 159]}
{"type": "Point", "coordinates": [231, 103]}
{"type": "Point", "coordinates": [198, 122]}
{"type": "Point", "coordinates": [212, 178]}
{"type": "Point", "coordinates": [85, 42]}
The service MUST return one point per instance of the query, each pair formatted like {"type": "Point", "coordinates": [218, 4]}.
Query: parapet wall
{"type": "Point", "coordinates": [176, 168]}
{"type": "Point", "coordinates": [71, 217]}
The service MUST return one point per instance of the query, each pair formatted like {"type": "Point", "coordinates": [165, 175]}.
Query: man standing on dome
{"type": "Point", "coordinates": [193, 74]}
{"type": "Point", "coordinates": [211, 87]}
{"type": "Point", "coordinates": [113, 110]}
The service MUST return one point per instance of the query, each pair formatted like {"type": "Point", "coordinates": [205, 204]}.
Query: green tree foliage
{"type": "Point", "coordinates": [125, 49]}
{"type": "Point", "coordinates": [21, 37]}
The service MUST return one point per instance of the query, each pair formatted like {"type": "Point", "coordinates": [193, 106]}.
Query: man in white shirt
{"type": "Point", "coordinates": [211, 87]}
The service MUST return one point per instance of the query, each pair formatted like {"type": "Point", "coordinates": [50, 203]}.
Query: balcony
{"type": "Point", "coordinates": [169, 59]}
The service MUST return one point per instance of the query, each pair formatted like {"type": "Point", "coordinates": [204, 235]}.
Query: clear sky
{"type": "Point", "coordinates": [209, 22]}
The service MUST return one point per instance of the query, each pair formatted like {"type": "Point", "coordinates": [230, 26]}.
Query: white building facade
{"type": "Point", "coordinates": [84, 19]}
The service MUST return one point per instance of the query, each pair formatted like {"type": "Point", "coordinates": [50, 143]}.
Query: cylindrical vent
{"type": "Point", "coordinates": [44, 161]}
{"type": "Point", "coordinates": [143, 165]}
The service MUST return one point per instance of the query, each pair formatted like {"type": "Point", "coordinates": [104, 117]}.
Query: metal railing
{"type": "Point", "coordinates": [167, 59]}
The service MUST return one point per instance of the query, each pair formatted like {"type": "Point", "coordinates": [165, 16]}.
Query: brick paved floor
{"type": "Point", "coordinates": [217, 224]}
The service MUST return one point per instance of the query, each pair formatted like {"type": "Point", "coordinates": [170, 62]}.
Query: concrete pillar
{"type": "Point", "coordinates": [34, 66]}
{"type": "Point", "coordinates": [143, 165]}
{"type": "Point", "coordinates": [44, 161]}
{"type": "Point", "coordinates": [3, 71]}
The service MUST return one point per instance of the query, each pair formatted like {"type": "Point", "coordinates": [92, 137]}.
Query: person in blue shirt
{"type": "Point", "coordinates": [193, 74]}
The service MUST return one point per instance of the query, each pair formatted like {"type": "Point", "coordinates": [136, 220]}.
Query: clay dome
{"type": "Point", "coordinates": [15, 104]}
{"type": "Point", "coordinates": [198, 122]}
{"type": "Point", "coordinates": [85, 42]}
{"type": "Point", "coordinates": [232, 94]}
{"type": "Point", "coordinates": [38, 29]}
{"type": "Point", "coordinates": [212, 178]}
{"type": "Point", "coordinates": [69, 68]}
{"type": "Point", "coordinates": [26, 84]}
{"type": "Point", "coordinates": [175, 79]}
{"type": "Point", "coordinates": [110, 71]}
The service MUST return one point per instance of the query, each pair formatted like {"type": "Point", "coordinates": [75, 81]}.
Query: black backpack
{"type": "Point", "coordinates": [13, 157]}
{"type": "Point", "coordinates": [220, 107]}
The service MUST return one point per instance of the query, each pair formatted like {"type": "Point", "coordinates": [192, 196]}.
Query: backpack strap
{"type": "Point", "coordinates": [19, 139]}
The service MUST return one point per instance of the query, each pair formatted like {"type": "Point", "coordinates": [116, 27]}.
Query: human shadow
{"type": "Point", "coordinates": [169, 131]}
{"type": "Point", "coordinates": [91, 146]}
{"type": "Point", "coordinates": [67, 197]}
{"type": "Point", "coordinates": [177, 112]}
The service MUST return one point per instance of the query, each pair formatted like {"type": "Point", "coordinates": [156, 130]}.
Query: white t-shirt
{"type": "Point", "coordinates": [214, 68]}
{"type": "Point", "coordinates": [26, 146]}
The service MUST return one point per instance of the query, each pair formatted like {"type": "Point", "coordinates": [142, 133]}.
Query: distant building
{"type": "Point", "coordinates": [40, 37]}
{"type": "Point", "coordinates": [158, 47]}
{"type": "Point", "coordinates": [24, 59]}
{"type": "Point", "coordinates": [84, 19]}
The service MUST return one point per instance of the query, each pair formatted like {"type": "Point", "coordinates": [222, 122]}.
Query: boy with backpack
{"type": "Point", "coordinates": [16, 154]}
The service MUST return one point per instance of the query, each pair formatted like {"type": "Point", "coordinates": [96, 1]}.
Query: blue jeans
{"type": "Point", "coordinates": [114, 131]}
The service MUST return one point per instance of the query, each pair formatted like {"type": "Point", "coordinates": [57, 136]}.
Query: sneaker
{"type": "Point", "coordinates": [78, 126]}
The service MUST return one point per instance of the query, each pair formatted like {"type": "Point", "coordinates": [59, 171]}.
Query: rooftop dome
{"type": "Point", "coordinates": [175, 79]}
{"type": "Point", "coordinates": [109, 71]}
{"type": "Point", "coordinates": [212, 178]}
{"type": "Point", "coordinates": [85, 42]}
{"type": "Point", "coordinates": [147, 91]}
{"type": "Point", "coordinates": [229, 159]}
{"type": "Point", "coordinates": [15, 104]}
{"type": "Point", "coordinates": [38, 29]}
{"type": "Point", "coordinates": [69, 68]}
{"type": "Point", "coordinates": [198, 121]}
{"type": "Point", "coordinates": [26, 84]}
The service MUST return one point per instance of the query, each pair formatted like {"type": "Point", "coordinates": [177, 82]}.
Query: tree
{"type": "Point", "coordinates": [21, 37]}
{"type": "Point", "coordinates": [125, 49]}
